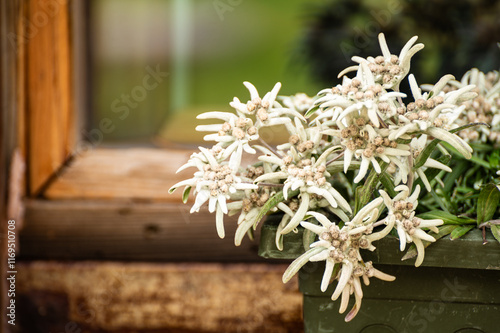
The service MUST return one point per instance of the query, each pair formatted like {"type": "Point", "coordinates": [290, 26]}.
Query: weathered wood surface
{"type": "Point", "coordinates": [114, 297]}
{"type": "Point", "coordinates": [10, 83]}
{"type": "Point", "coordinates": [50, 116]}
{"type": "Point", "coordinates": [134, 173]}
{"type": "Point", "coordinates": [127, 230]}
{"type": "Point", "coordinates": [120, 174]}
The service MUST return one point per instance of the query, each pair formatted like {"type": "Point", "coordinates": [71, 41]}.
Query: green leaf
{"type": "Point", "coordinates": [424, 155]}
{"type": "Point", "coordinates": [250, 234]}
{"type": "Point", "coordinates": [185, 194]}
{"type": "Point", "coordinates": [357, 198]}
{"type": "Point", "coordinates": [480, 161]}
{"type": "Point", "coordinates": [443, 231]}
{"type": "Point", "coordinates": [403, 141]}
{"type": "Point", "coordinates": [338, 166]}
{"type": "Point", "coordinates": [457, 170]}
{"type": "Point", "coordinates": [443, 204]}
{"type": "Point", "coordinates": [481, 147]}
{"type": "Point", "coordinates": [364, 193]}
{"type": "Point", "coordinates": [272, 202]}
{"type": "Point", "coordinates": [495, 230]}
{"type": "Point", "coordinates": [460, 231]}
{"type": "Point", "coordinates": [448, 218]}
{"type": "Point", "coordinates": [311, 111]}
{"type": "Point", "coordinates": [494, 160]}
{"type": "Point", "coordinates": [388, 184]}
{"type": "Point", "coordinates": [487, 203]}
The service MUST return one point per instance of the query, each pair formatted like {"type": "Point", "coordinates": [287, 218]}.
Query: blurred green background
{"type": "Point", "coordinates": [209, 47]}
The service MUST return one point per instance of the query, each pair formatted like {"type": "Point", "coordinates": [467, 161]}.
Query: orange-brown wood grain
{"type": "Point", "coordinates": [143, 174]}
{"type": "Point", "coordinates": [148, 297]}
{"type": "Point", "coordinates": [49, 116]}
{"type": "Point", "coordinates": [21, 80]}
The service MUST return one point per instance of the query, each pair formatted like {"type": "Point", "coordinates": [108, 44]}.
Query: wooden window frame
{"type": "Point", "coordinates": [88, 202]}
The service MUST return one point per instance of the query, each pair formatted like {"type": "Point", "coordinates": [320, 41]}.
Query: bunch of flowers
{"type": "Point", "coordinates": [357, 161]}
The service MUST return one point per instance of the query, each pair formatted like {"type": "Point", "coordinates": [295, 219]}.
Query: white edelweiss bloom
{"type": "Point", "coordinates": [484, 108]}
{"type": "Point", "coordinates": [330, 104]}
{"type": "Point", "coordinates": [304, 140]}
{"type": "Point", "coordinates": [402, 213]}
{"type": "Point", "coordinates": [389, 69]}
{"type": "Point", "coordinates": [250, 207]}
{"type": "Point", "coordinates": [433, 115]}
{"type": "Point", "coordinates": [299, 102]}
{"type": "Point", "coordinates": [341, 247]}
{"type": "Point", "coordinates": [360, 94]}
{"type": "Point", "coordinates": [309, 177]}
{"type": "Point", "coordinates": [214, 182]}
{"type": "Point", "coordinates": [267, 111]}
{"type": "Point", "coordinates": [367, 143]}
{"type": "Point", "coordinates": [234, 134]}
{"type": "Point", "coordinates": [255, 101]}
{"type": "Point", "coordinates": [290, 209]}
{"type": "Point", "coordinates": [487, 84]}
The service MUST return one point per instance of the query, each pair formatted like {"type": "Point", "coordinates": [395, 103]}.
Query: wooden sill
{"type": "Point", "coordinates": [143, 174]}
{"type": "Point", "coordinates": [113, 204]}
{"type": "Point", "coordinates": [136, 174]}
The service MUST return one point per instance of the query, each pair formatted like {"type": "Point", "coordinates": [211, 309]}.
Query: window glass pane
{"type": "Point", "coordinates": [156, 64]}
{"type": "Point", "coordinates": [208, 48]}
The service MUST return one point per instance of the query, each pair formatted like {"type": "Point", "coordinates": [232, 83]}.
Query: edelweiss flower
{"type": "Point", "coordinates": [299, 102]}
{"type": "Point", "coordinates": [249, 207]}
{"type": "Point", "coordinates": [267, 111]}
{"type": "Point", "coordinates": [309, 177]}
{"type": "Point", "coordinates": [389, 69]}
{"type": "Point", "coordinates": [234, 134]}
{"type": "Point", "coordinates": [304, 141]}
{"type": "Point", "coordinates": [364, 141]}
{"type": "Point", "coordinates": [361, 94]}
{"type": "Point", "coordinates": [341, 247]}
{"type": "Point", "coordinates": [485, 108]}
{"type": "Point", "coordinates": [433, 113]}
{"type": "Point", "coordinates": [402, 213]}
{"type": "Point", "coordinates": [213, 182]}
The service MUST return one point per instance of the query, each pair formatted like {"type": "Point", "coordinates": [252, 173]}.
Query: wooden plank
{"type": "Point", "coordinates": [121, 174]}
{"type": "Point", "coordinates": [111, 297]}
{"type": "Point", "coordinates": [9, 78]}
{"type": "Point", "coordinates": [138, 173]}
{"type": "Point", "coordinates": [21, 80]}
{"type": "Point", "coordinates": [49, 115]}
{"type": "Point", "coordinates": [127, 230]}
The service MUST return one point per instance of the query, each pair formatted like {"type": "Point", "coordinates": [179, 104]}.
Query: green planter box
{"type": "Point", "coordinates": [456, 290]}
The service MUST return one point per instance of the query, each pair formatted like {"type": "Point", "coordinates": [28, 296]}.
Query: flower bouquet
{"type": "Point", "coordinates": [360, 164]}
